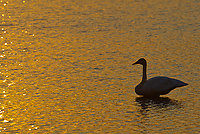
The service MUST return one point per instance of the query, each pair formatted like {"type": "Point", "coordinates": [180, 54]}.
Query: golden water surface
{"type": "Point", "coordinates": [65, 65]}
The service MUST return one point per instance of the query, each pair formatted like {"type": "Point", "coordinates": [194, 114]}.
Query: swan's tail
{"type": "Point", "coordinates": [180, 83]}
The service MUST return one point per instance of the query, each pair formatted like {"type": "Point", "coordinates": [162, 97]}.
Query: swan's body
{"type": "Point", "coordinates": [155, 86]}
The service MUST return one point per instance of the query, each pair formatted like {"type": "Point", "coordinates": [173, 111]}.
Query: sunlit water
{"type": "Point", "coordinates": [65, 66]}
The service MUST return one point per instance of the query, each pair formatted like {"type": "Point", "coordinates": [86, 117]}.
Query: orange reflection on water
{"type": "Point", "coordinates": [66, 66]}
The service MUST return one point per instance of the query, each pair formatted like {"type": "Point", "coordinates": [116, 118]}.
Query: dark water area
{"type": "Point", "coordinates": [66, 66]}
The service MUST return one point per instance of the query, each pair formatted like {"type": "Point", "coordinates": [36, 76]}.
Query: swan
{"type": "Point", "coordinates": [155, 86]}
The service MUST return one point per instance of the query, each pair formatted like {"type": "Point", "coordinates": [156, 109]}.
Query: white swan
{"type": "Point", "coordinates": [155, 86]}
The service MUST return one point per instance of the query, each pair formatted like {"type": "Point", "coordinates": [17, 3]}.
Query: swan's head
{"type": "Point", "coordinates": [141, 61]}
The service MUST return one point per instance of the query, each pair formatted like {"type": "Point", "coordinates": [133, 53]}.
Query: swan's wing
{"type": "Point", "coordinates": [161, 85]}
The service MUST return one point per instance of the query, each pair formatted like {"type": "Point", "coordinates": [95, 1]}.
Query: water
{"type": "Point", "coordinates": [65, 66]}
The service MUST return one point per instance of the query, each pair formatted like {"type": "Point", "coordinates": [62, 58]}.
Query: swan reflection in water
{"type": "Point", "coordinates": [147, 103]}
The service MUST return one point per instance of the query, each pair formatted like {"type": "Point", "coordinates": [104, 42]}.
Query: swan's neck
{"type": "Point", "coordinates": [144, 76]}
{"type": "Point", "coordinates": [144, 79]}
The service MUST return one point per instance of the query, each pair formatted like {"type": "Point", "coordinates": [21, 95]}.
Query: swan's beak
{"type": "Point", "coordinates": [134, 63]}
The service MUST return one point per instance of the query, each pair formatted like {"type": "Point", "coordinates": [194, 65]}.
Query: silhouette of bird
{"type": "Point", "coordinates": [155, 86]}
